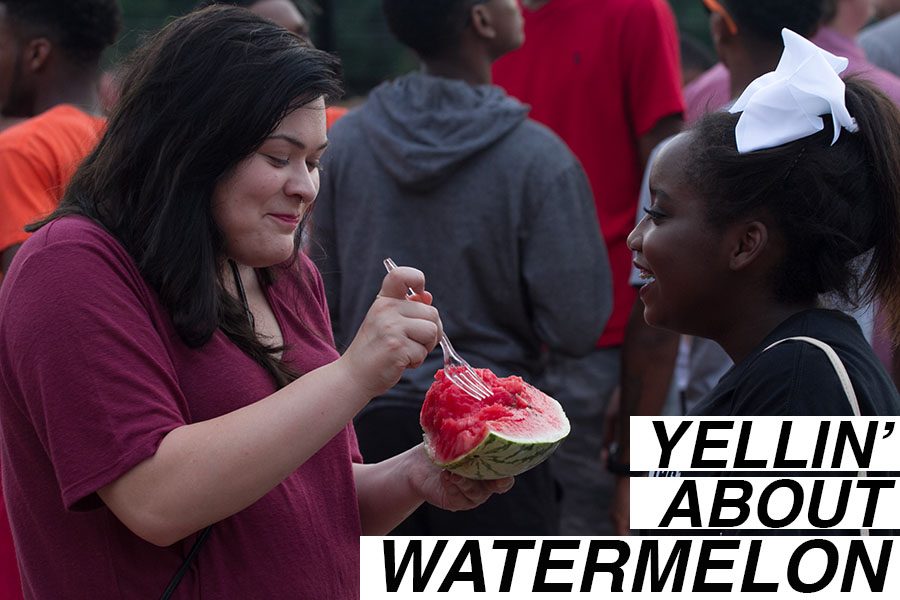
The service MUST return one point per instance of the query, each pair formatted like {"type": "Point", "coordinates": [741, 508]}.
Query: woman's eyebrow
{"type": "Point", "coordinates": [292, 140]}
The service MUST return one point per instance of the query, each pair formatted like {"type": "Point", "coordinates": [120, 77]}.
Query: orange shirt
{"type": "Point", "coordinates": [332, 114]}
{"type": "Point", "coordinates": [37, 159]}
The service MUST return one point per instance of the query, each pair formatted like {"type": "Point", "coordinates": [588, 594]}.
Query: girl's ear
{"type": "Point", "coordinates": [750, 240]}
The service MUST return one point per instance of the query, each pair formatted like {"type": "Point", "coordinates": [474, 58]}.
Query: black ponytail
{"type": "Point", "coordinates": [879, 129]}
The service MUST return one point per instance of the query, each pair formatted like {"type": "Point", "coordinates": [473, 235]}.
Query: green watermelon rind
{"type": "Point", "coordinates": [497, 456]}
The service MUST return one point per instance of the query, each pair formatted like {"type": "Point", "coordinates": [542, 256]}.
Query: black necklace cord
{"type": "Point", "coordinates": [201, 539]}
{"type": "Point", "coordinates": [239, 284]}
{"type": "Point", "coordinates": [179, 574]}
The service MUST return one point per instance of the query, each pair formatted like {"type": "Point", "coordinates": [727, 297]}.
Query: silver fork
{"type": "Point", "coordinates": [465, 377]}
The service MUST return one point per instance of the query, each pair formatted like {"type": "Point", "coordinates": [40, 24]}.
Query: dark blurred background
{"type": "Point", "coordinates": [353, 29]}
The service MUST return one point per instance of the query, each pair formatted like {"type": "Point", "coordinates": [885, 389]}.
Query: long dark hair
{"type": "Point", "coordinates": [838, 206]}
{"type": "Point", "coordinates": [197, 98]}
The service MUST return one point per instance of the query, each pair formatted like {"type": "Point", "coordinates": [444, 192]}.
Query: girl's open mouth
{"type": "Point", "coordinates": [645, 274]}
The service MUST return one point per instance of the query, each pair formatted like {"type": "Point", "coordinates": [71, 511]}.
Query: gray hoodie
{"type": "Point", "coordinates": [455, 180]}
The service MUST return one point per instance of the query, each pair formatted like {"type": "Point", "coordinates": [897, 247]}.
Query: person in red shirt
{"type": "Point", "coordinates": [605, 77]}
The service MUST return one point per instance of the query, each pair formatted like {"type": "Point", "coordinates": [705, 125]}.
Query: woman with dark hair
{"type": "Point", "coordinates": [167, 357]}
{"type": "Point", "coordinates": [759, 213]}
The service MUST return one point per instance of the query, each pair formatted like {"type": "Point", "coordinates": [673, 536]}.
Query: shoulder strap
{"type": "Point", "coordinates": [842, 375]}
{"type": "Point", "coordinates": [836, 363]}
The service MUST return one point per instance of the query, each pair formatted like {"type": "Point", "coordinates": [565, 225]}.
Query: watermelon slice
{"type": "Point", "coordinates": [513, 430]}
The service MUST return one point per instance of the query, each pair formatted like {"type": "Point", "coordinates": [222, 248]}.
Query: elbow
{"type": "Point", "coordinates": [164, 537]}
{"type": "Point", "coordinates": [153, 526]}
{"type": "Point", "coordinates": [594, 328]}
{"type": "Point", "coordinates": [159, 539]}
{"type": "Point", "coordinates": [605, 303]}
{"type": "Point", "coordinates": [158, 531]}
{"type": "Point", "coordinates": [578, 337]}
{"type": "Point", "coordinates": [604, 314]}
{"type": "Point", "coordinates": [579, 341]}
{"type": "Point", "coordinates": [588, 343]}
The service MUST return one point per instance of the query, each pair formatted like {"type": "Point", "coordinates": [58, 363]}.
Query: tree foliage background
{"type": "Point", "coordinates": [354, 29]}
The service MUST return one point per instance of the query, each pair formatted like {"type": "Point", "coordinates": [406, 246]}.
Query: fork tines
{"type": "Point", "coordinates": [471, 383]}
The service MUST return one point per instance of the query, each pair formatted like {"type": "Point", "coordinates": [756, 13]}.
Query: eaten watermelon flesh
{"type": "Point", "coordinates": [455, 422]}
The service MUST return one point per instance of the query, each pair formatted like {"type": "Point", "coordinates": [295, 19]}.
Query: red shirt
{"type": "Point", "coordinates": [10, 587]}
{"type": "Point", "coordinates": [601, 74]}
{"type": "Point", "coordinates": [94, 376]}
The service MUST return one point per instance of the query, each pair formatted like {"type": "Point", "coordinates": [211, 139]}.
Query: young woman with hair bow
{"type": "Point", "coordinates": [761, 213]}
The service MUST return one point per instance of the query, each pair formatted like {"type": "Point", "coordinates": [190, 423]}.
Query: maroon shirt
{"type": "Point", "coordinates": [94, 376]}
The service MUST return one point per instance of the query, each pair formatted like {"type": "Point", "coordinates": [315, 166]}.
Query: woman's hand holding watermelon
{"type": "Point", "coordinates": [395, 335]}
{"type": "Point", "coordinates": [389, 491]}
{"type": "Point", "coordinates": [448, 490]}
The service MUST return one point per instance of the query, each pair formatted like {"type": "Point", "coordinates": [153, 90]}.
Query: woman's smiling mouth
{"type": "Point", "coordinates": [289, 219]}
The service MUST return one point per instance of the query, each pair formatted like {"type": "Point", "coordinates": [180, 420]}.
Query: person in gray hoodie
{"type": "Point", "coordinates": [443, 171]}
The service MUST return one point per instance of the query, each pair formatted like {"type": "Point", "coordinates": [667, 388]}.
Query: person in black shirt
{"type": "Point", "coordinates": [796, 379]}
{"type": "Point", "coordinates": [762, 214]}
{"type": "Point", "coordinates": [747, 233]}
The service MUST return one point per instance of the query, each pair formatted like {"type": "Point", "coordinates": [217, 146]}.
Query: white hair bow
{"type": "Point", "coordinates": [784, 105]}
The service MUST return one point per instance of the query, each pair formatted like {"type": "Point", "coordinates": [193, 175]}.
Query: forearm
{"type": "Point", "coordinates": [204, 472]}
{"type": "Point", "coordinates": [565, 267]}
{"type": "Point", "coordinates": [386, 495]}
{"type": "Point", "coordinates": [391, 490]}
{"type": "Point", "coordinates": [648, 361]}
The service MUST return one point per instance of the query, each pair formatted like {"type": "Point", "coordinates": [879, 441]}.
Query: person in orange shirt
{"type": "Point", "coordinates": [37, 159]}
{"type": "Point", "coordinates": [49, 73]}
